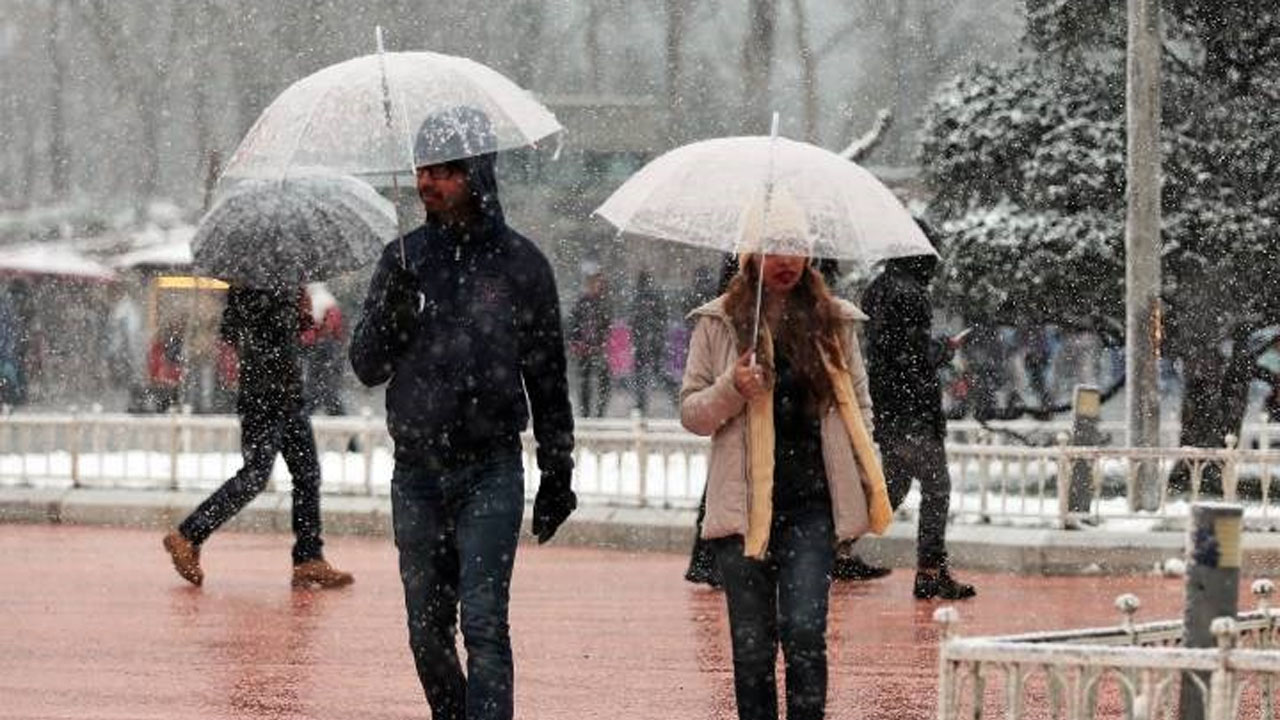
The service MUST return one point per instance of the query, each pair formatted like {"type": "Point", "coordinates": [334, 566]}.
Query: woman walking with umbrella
{"type": "Point", "coordinates": [775, 377]}
{"type": "Point", "coordinates": [785, 478]}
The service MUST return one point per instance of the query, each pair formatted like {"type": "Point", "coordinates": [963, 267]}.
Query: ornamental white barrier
{"type": "Point", "coordinates": [179, 451]}
{"type": "Point", "coordinates": [638, 462]}
{"type": "Point", "coordinates": [1131, 671]}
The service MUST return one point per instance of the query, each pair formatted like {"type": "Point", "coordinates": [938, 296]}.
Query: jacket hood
{"type": "Point", "coordinates": [464, 135]}
{"type": "Point", "coordinates": [921, 268]}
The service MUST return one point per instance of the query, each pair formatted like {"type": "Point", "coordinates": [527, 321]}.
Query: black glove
{"type": "Point", "coordinates": [401, 299]}
{"type": "Point", "coordinates": [553, 503]}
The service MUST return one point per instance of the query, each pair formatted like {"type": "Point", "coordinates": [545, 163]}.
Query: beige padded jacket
{"type": "Point", "coordinates": [711, 405]}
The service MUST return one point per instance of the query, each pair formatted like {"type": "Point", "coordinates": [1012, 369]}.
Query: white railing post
{"type": "Point", "coordinates": [175, 446]}
{"type": "Point", "coordinates": [640, 446]}
{"type": "Point", "coordinates": [366, 447]}
{"type": "Point", "coordinates": [1064, 481]}
{"type": "Point", "coordinates": [1231, 468]}
{"type": "Point", "coordinates": [1221, 683]}
{"type": "Point", "coordinates": [949, 618]}
{"type": "Point", "coordinates": [73, 440]}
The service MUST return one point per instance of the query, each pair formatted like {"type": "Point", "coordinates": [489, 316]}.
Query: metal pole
{"type": "Point", "coordinates": [1142, 244]}
{"type": "Point", "coordinates": [1213, 583]}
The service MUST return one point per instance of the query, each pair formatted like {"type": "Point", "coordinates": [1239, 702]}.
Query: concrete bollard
{"type": "Point", "coordinates": [1213, 581]}
{"type": "Point", "coordinates": [1086, 409]}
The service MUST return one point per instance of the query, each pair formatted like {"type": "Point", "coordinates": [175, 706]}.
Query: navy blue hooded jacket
{"type": "Point", "coordinates": [488, 332]}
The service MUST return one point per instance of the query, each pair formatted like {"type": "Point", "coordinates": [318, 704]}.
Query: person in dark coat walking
{"type": "Point", "coordinates": [903, 361]}
{"type": "Point", "coordinates": [589, 325]}
{"type": "Point", "coordinates": [465, 325]}
{"type": "Point", "coordinates": [263, 325]}
{"type": "Point", "coordinates": [649, 327]}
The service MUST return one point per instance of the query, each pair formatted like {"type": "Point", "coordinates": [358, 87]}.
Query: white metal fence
{"type": "Point", "coordinates": [1132, 671]}
{"type": "Point", "coordinates": [637, 462]}
{"type": "Point", "coordinates": [198, 452]}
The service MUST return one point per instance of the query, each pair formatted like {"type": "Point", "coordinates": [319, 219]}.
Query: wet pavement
{"type": "Point", "coordinates": [95, 624]}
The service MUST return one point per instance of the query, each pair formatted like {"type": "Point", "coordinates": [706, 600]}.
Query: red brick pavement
{"type": "Point", "coordinates": [95, 624]}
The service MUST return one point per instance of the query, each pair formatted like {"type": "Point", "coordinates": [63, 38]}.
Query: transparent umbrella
{"type": "Point", "coordinates": [765, 194]}
{"type": "Point", "coordinates": [360, 116]}
{"type": "Point", "coordinates": [284, 233]}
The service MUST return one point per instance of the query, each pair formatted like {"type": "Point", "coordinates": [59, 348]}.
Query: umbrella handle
{"type": "Point", "coordinates": [755, 332]}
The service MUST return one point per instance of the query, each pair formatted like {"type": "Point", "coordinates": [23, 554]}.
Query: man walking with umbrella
{"type": "Point", "coordinates": [463, 319]}
{"type": "Point", "coordinates": [263, 325]}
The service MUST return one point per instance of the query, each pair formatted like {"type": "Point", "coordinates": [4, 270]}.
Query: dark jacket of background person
{"type": "Point", "coordinates": [902, 357]}
{"type": "Point", "coordinates": [648, 320]}
{"type": "Point", "coordinates": [264, 326]}
{"type": "Point", "coordinates": [590, 322]}
{"type": "Point", "coordinates": [488, 331]}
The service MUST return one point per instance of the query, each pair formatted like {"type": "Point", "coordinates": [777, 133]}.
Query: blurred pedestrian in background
{"type": "Point", "coordinates": [322, 352]}
{"type": "Point", "coordinates": [903, 360]}
{"type": "Point", "coordinates": [648, 332]}
{"type": "Point", "coordinates": [590, 323]}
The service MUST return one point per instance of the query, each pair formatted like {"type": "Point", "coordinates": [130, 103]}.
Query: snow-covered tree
{"type": "Point", "coordinates": [1027, 163]}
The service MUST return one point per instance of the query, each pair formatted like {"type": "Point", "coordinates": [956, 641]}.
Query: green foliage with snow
{"type": "Point", "coordinates": [1026, 161]}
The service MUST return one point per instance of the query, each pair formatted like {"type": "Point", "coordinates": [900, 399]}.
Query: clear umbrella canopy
{"type": "Point", "coordinates": [766, 194]}
{"type": "Point", "coordinates": [361, 116]}
{"type": "Point", "coordinates": [271, 233]}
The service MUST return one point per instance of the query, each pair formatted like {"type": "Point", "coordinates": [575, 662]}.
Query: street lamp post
{"type": "Point", "coordinates": [1142, 244]}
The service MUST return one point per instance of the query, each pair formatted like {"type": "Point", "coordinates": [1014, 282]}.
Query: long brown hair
{"type": "Point", "coordinates": [809, 319]}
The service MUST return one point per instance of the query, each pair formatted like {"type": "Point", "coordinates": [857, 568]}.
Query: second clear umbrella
{"type": "Point", "coordinates": [283, 233]}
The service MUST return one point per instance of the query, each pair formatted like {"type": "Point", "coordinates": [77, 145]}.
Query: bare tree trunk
{"type": "Point", "coordinates": [1214, 400]}
{"type": "Point", "coordinates": [530, 20]}
{"type": "Point", "coordinates": [200, 17]}
{"type": "Point", "coordinates": [147, 88]}
{"type": "Point", "coordinates": [895, 59]}
{"type": "Point", "coordinates": [674, 68]}
{"type": "Point", "coordinates": [757, 64]}
{"type": "Point", "coordinates": [809, 71]}
{"type": "Point", "coordinates": [59, 151]}
{"type": "Point", "coordinates": [594, 16]}
{"type": "Point", "coordinates": [252, 85]}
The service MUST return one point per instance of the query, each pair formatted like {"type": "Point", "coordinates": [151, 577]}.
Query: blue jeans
{"type": "Point", "coordinates": [783, 597]}
{"type": "Point", "coordinates": [456, 532]}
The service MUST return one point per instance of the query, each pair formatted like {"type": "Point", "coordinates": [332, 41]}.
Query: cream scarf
{"type": "Point", "coordinates": [760, 450]}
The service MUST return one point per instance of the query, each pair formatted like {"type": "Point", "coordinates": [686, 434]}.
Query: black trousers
{"type": "Point", "coordinates": [921, 458]}
{"type": "Point", "coordinates": [262, 436]}
{"type": "Point", "coordinates": [594, 369]}
{"type": "Point", "coordinates": [783, 600]}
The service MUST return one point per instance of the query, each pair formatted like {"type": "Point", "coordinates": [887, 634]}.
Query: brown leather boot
{"type": "Point", "coordinates": [185, 556]}
{"type": "Point", "coordinates": [321, 574]}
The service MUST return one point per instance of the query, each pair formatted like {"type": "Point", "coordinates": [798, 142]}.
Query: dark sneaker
{"type": "Point", "coordinates": [321, 574]}
{"type": "Point", "coordinates": [185, 556]}
{"type": "Point", "coordinates": [939, 584]}
{"type": "Point", "coordinates": [855, 568]}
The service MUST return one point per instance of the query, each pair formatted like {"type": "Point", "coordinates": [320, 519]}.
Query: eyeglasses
{"type": "Point", "coordinates": [443, 171]}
